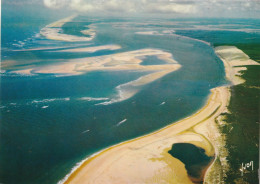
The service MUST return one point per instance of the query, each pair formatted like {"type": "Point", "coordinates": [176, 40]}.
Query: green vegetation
{"type": "Point", "coordinates": [242, 128]}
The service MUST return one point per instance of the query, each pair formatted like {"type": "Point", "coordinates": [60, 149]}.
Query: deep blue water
{"type": "Point", "coordinates": [44, 119]}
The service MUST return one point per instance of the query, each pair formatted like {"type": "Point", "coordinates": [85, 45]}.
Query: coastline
{"type": "Point", "coordinates": [199, 129]}
{"type": "Point", "coordinates": [60, 121]}
{"type": "Point", "coordinates": [239, 125]}
{"type": "Point", "coordinates": [182, 131]}
{"type": "Point", "coordinates": [134, 150]}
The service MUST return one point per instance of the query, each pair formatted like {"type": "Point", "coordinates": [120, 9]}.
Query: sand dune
{"type": "Point", "coordinates": [234, 60]}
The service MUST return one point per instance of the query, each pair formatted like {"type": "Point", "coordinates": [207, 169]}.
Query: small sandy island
{"type": "Point", "coordinates": [146, 159]}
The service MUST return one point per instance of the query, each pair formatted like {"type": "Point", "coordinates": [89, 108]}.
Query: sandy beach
{"type": "Point", "coordinates": [234, 61]}
{"type": "Point", "coordinates": [146, 159]}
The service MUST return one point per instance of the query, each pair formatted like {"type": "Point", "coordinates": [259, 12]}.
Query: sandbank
{"type": "Point", "coordinates": [115, 62]}
{"type": "Point", "coordinates": [23, 72]}
{"type": "Point", "coordinates": [125, 61]}
{"type": "Point", "coordinates": [55, 34]}
{"type": "Point", "coordinates": [61, 22]}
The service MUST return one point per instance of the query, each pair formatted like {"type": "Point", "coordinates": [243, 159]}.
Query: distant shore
{"type": "Point", "coordinates": [53, 32]}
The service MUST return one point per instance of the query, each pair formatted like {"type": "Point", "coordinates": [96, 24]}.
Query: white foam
{"type": "Point", "coordinates": [164, 32]}
{"type": "Point", "coordinates": [78, 165]}
{"type": "Point", "coordinates": [124, 92]}
{"type": "Point", "coordinates": [50, 100]}
{"type": "Point", "coordinates": [118, 124]}
{"type": "Point", "coordinates": [43, 101]}
{"type": "Point", "coordinates": [65, 99]}
{"type": "Point", "coordinates": [162, 103]}
{"type": "Point", "coordinates": [44, 107]}
{"type": "Point", "coordinates": [93, 99]}
{"type": "Point", "coordinates": [37, 35]}
{"type": "Point", "coordinates": [85, 131]}
{"type": "Point", "coordinates": [107, 103]}
{"type": "Point", "coordinates": [19, 44]}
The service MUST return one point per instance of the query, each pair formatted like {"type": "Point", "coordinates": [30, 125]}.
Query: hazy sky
{"type": "Point", "coordinates": [168, 8]}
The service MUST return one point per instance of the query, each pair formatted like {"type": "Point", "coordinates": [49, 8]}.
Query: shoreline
{"type": "Point", "coordinates": [176, 132]}
{"type": "Point", "coordinates": [199, 129]}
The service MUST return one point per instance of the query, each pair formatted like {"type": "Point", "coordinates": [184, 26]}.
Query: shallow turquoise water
{"type": "Point", "coordinates": [45, 121]}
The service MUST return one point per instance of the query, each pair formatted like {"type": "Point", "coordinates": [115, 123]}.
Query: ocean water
{"type": "Point", "coordinates": [50, 122]}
